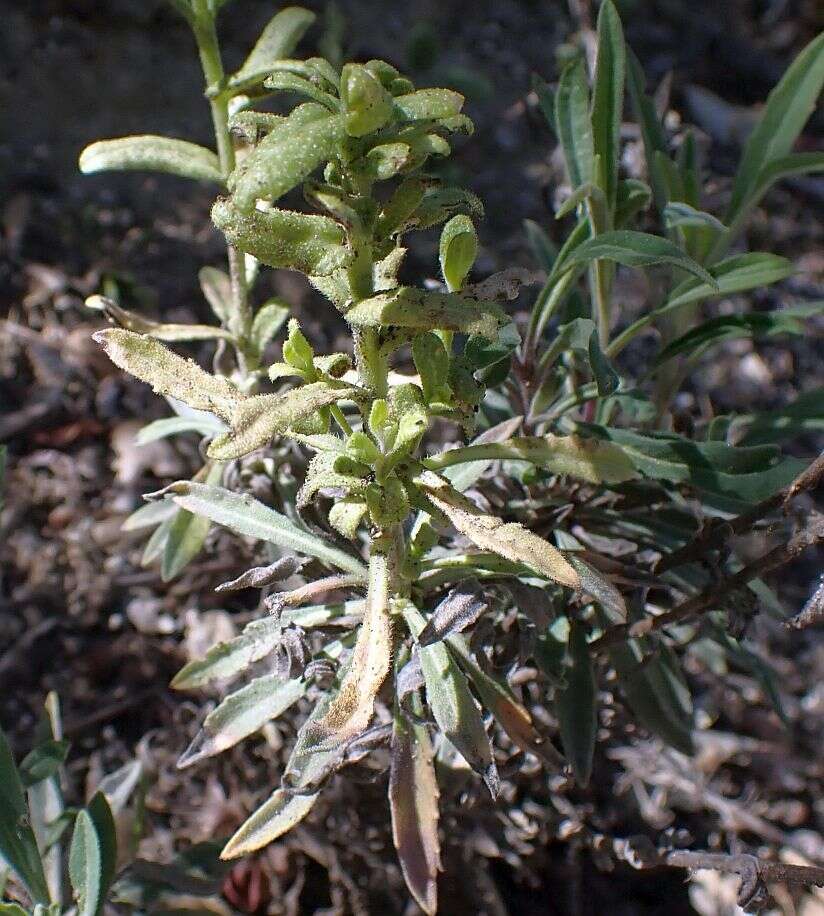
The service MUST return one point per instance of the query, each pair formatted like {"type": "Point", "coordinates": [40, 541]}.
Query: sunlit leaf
{"type": "Point", "coordinates": [152, 154]}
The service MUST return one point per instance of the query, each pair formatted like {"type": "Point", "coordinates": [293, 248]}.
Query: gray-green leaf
{"type": "Point", "coordinates": [153, 154]}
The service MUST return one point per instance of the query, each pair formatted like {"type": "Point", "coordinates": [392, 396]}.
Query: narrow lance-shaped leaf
{"type": "Point", "coordinates": [573, 125]}
{"type": "Point", "coordinates": [169, 373]}
{"type": "Point", "coordinates": [256, 420]}
{"type": "Point", "coordinates": [278, 40]}
{"type": "Point", "coordinates": [85, 865]}
{"type": "Point", "coordinates": [258, 639]}
{"type": "Point", "coordinates": [100, 814]}
{"type": "Point", "coordinates": [507, 539]}
{"type": "Point", "coordinates": [187, 533]}
{"type": "Point", "coordinates": [18, 846]}
{"type": "Point", "coordinates": [576, 705]}
{"type": "Point", "coordinates": [152, 154]}
{"type": "Point", "coordinates": [413, 801]}
{"type": "Point", "coordinates": [788, 107]}
{"type": "Point", "coordinates": [608, 98]}
{"type": "Point", "coordinates": [633, 249]}
{"type": "Point", "coordinates": [587, 459]}
{"type": "Point", "coordinates": [512, 716]}
{"type": "Point", "coordinates": [241, 714]}
{"type": "Point", "coordinates": [727, 327]}
{"type": "Point", "coordinates": [452, 704]}
{"type": "Point", "coordinates": [251, 518]}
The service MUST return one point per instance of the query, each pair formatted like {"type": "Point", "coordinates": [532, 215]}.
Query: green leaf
{"type": "Point", "coordinates": [106, 832]}
{"type": "Point", "coordinates": [43, 762]}
{"type": "Point", "coordinates": [86, 865]}
{"type": "Point", "coordinates": [217, 290]}
{"type": "Point", "coordinates": [152, 154]}
{"type": "Point", "coordinates": [788, 107]}
{"type": "Point", "coordinates": [248, 517]}
{"type": "Point", "coordinates": [241, 714]}
{"type": "Point", "coordinates": [410, 307]}
{"type": "Point", "coordinates": [428, 104]}
{"type": "Point", "coordinates": [652, 131]}
{"type": "Point", "coordinates": [651, 689]}
{"type": "Point", "coordinates": [576, 705]}
{"type": "Point", "coordinates": [732, 275]}
{"type": "Point", "coordinates": [313, 245]}
{"type": "Point", "coordinates": [728, 327]}
{"type": "Point", "coordinates": [269, 319]}
{"type": "Point", "coordinates": [678, 214]}
{"type": "Point", "coordinates": [495, 696]}
{"type": "Point", "coordinates": [573, 125]}
{"type": "Point", "coordinates": [149, 516]}
{"type": "Point", "coordinates": [280, 81]}
{"type": "Point", "coordinates": [174, 426]}
{"type": "Point", "coordinates": [184, 541]}
{"type": "Point", "coordinates": [507, 539]}
{"type": "Point", "coordinates": [802, 416]}
{"type": "Point", "coordinates": [608, 99]}
{"type": "Point", "coordinates": [256, 420]}
{"type": "Point", "coordinates": [458, 250]}
{"type": "Point", "coordinates": [452, 704]}
{"type": "Point", "coordinates": [278, 40]}
{"type": "Point", "coordinates": [587, 459]}
{"type": "Point", "coordinates": [737, 473]}
{"type": "Point", "coordinates": [286, 156]}
{"type": "Point", "coordinates": [794, 164]}
{"type": "Point", "coordinates": [367, 105]}
{"type": "Point", "coordinates": [633, 249]}
{"type": "Point", "coordinates": [18, 846]}
{"type": "Point", "coordinates": [606, 378]}
{"type": "Point", "coordinates": [413, 802]}
{"type": "Point", "coordinates": [169, 373]}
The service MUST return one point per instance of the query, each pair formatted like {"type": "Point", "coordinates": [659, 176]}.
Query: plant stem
{"type": "Point", "coordinates": [240, 315]}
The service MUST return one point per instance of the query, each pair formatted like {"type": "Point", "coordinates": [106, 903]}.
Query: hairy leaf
{"type": "Point", "coordinates": [169, 373]}
{"type": "Point", "coordinates": [586, 458]}
{"type": "Point", "coordinates": [251, 518]}
{"type": "Point", "coordinates": [788, 107]}
{"type": "Point", "coordinates": [241, 714]}
{"type": "Point", "coordinates": [409, 307]}
{"type": "Point", "coordinates": [572, 123]}
{"type": "Point", "coordinates": [153, 154]}
{"type": "Point", "coordinates": [452, 704]}
{"type": "Point", "coordinates": [256, 420]}
{"type": "Point", "coordinates": [313, 245]}
{"type": "Point", "coordinates": [507, 539]}
{"type": "Point", "coordinates": [287, 155]}
{"type": "Point", "coordinates": [413, 801]}
{"type": "Point", "coordinates": [278, 40]}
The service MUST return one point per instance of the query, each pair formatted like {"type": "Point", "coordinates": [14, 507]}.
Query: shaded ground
{"type": "Point", "coordinates": [80, 615]}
